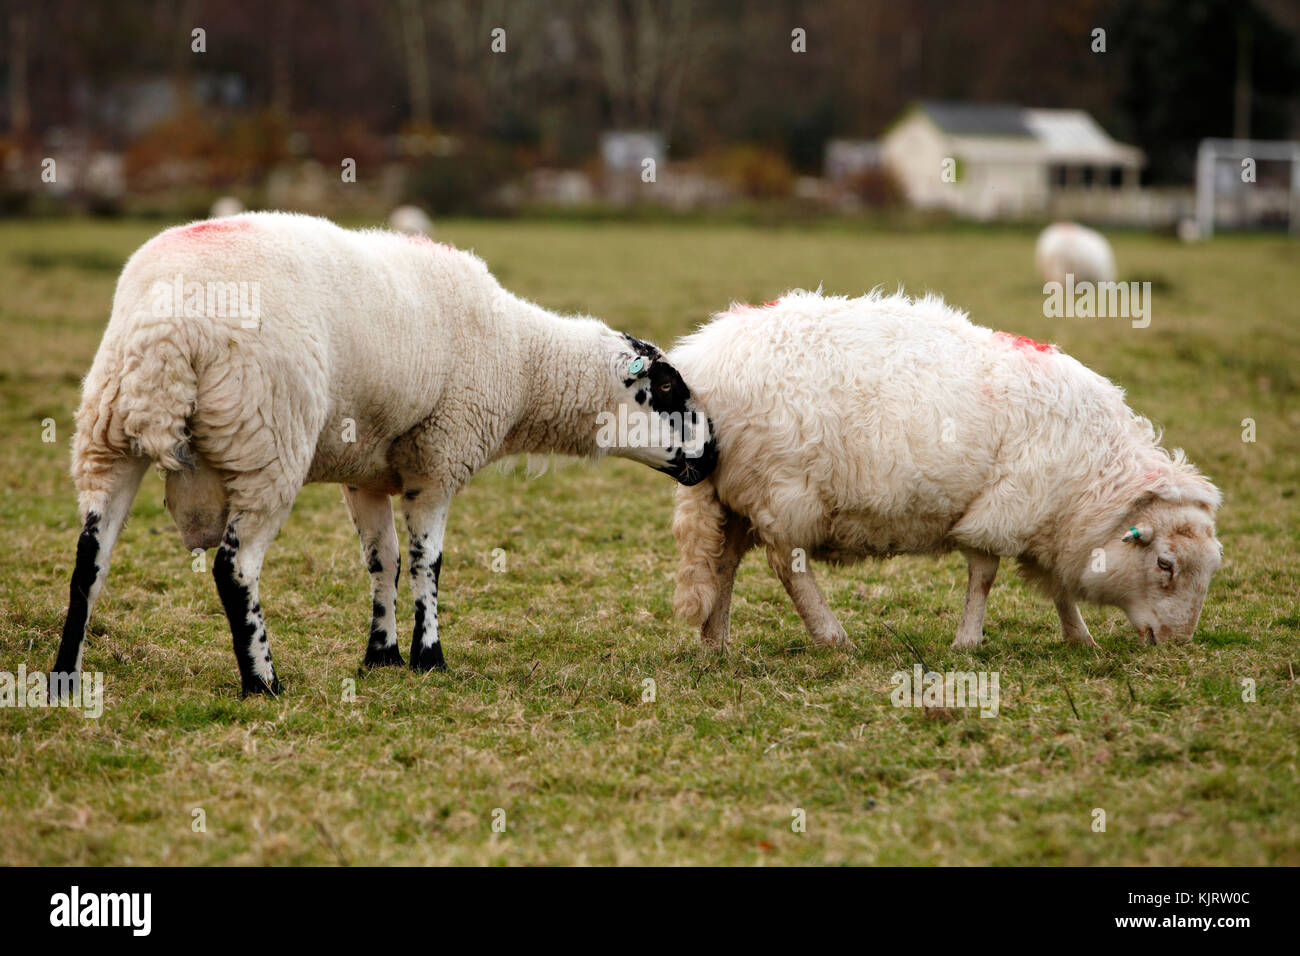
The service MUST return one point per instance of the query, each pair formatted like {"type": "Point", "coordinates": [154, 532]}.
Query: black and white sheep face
{"type": "Point", "coordinates": [1159, 570]}
{"type": "Point", "coordinates": [655, 420]}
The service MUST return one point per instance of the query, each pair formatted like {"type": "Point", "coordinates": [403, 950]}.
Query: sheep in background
{"type": "Point", "coordinates": [226, 206]}
{"type": "Point", "coordinates": [1066, 248]}
{"type": "Point", "coordinates": [386, 363]}
{"type": "Point", "coordinates": [411, 221]}
{"type": "Point", "coordinates": [1189, 230]}
{"type": "Point", "coordinates": [881, 425]}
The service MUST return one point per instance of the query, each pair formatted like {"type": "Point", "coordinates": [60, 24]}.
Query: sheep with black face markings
{"type": "Point", "coordinates": [387, 364]}
{"type": "Point", "coordinates": [882, 425]}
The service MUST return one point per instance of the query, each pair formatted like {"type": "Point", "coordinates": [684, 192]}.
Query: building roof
{"type": "Point", "coordinates": [1061, 136]}
{"type": "Point", "coordinates": [1075, 135]}
{"type": "Point", "coordinates": [977, 119]}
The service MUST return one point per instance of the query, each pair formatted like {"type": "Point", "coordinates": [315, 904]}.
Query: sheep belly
{"type": "Point", "coordinates": [363, 463]}
{"type": "Point", "coordinates": [853, 536]}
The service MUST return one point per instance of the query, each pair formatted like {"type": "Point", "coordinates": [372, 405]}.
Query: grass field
{"type": "Point", "coordinates": [541, 713]}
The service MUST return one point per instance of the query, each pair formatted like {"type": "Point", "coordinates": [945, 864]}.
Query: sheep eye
{"type": "Point", "coordinates": [666, 387]}
{"type": "Point", "coordinates": [1164, 565]}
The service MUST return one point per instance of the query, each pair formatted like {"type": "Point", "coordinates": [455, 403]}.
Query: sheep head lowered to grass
{"type": "Point", "coordinates": [884, 425]}
{"type": "Point", "coordinates": [388, 364]}
{"type": "Point", "coordinates": [1068, 249]}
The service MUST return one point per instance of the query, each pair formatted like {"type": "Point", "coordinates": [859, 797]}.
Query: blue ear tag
{"type": "Point", "coordinates": [637, 366]}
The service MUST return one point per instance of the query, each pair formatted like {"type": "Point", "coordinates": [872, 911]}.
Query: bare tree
{"type": "Point", "coordinates": [410, 27]}
{"type": "Point", "coordinates": [281, 45]}
{"type": "Point", "coordinates": [645, 52]}
{"type": "Point", "coordinates": [19, 107]}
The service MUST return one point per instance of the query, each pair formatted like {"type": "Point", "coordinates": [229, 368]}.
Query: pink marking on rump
{"type": "Point", "coordinates": [212, 227]}
{"type": "Point", "coordinates": [737, 307]}
{"type": "Point", "coordinates": [419, 240]}
{"type": "Point", "coordinates": [1024, 342]}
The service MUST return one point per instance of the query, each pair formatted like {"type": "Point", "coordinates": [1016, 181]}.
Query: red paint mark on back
{"type": "Point", "coordinates": [1024, 342]}
{"type": "Point", "coordinates": [213, 227]}
{"type": "Point", "coordinates": [738, 307]}
{"type": "Point", "coordinates": [418, 240]}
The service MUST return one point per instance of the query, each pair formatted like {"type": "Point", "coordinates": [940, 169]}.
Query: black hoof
{"type": "Point", "coordinates": [428, 658]}
{"type": "Point", "coordinates": [388, 656]}
{"type": "Point", "coordinates": [256, 685]}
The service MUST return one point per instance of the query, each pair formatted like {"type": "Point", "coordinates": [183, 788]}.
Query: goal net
{"type": "Point", "coordinates": [1247, 184]}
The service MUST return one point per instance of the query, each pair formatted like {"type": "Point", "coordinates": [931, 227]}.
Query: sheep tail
{"type": "Point", "coordinates": [699, 521]}
{"type": "Point", "coordinates": [157, 395]}
{"type": "Point", "coordinates": [137, 399]}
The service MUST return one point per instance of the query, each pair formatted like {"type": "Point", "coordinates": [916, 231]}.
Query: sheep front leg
{"type": "Point", "coordinates": [372, 514]}
{"type": "Point", "coordinates": [981, 569]}
{"type": "Point", "coordinates": [105, 514]}
{"type": "Point", "coordinates": [808, 599]}
{"type": "Point", "coordinates": [236, 571]}
{"type": "Point", "coordinates": [738, 540]}
{"type": "Point", "coordinates": [426, 521]}
{"type": "Point", "coordinates": [1072, 625]}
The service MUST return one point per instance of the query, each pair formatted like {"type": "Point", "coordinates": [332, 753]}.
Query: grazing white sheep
{"type": "Point", "coordinates": [410, 220]}
{"type": "Point", "coordinates": [226, 206]}
{"type": "Point", "coordinates": [1066, 248]}
{"type": "Point", "coordinates": [1189, 230]}
{"type": "Point", "coordinates": [386, 363]}
{"type": "Point", "coordinates": [876, 426]}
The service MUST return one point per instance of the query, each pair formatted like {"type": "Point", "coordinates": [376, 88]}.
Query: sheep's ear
{"type": "Point", "coordinates": [1142, 534]}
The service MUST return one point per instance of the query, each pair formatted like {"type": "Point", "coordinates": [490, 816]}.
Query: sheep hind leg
{"type": "Point", "coordinates": [739, 538]}
{"type": "Point", "coordinates": [106, 511]}
{"type": "Point", "coordinates": [1073, 627]}
{"type": "Point", "coordinates": [981, 569]}
{"type": "Point", "coordinates": [372, 514]}
{"type": "Point", "coordinates": [808, 599]}
{"type": "Point", "coordinates": [236, 571]}
{"type": "Point", "coordinates": [426, 522]}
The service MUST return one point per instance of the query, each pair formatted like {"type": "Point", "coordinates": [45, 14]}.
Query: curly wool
{"type": "Point", "coordinates": [883, 425]}
{"type": "Point", "coordinates": [362, 337]}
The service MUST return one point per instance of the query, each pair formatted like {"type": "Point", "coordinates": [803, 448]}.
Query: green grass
{"type": "Point", "coordinates": [541, 713]}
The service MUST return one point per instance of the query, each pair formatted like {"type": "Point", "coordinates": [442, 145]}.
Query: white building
{"type": "Point", "coordinates": [846, 158]}
{"type": "Point", "coordinates": [623, 151]}
{"type": "Point", "coordinates": [992, 161]}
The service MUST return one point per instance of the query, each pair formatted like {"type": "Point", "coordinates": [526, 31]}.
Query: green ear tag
{"type": "Point", "coordinates": [637, 366]}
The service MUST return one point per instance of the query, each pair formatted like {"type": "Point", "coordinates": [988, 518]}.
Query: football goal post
{"type": "Point", "coordinates": [1214, 177]}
